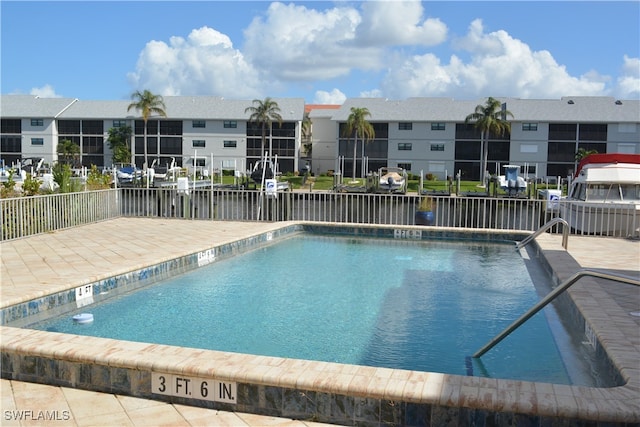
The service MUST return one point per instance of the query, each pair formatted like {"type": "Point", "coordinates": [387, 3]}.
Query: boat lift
{"type": "Point", "coordinates": [269, 185]}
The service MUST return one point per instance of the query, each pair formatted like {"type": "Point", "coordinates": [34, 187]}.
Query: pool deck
{"type": "Point", "coordinates": [52, 262]}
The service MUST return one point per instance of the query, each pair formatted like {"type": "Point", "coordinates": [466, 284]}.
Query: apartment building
{"type": "Point", "coordinates": [204, 132]}
{"type": "Point", "coordinates": [429, 135]}
{"type": "Point", "coordinates": [422, 135]}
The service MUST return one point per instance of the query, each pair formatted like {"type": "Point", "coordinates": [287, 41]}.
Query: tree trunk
{"type": "Point", "coordinates": [144, 166]}
{"type": "Point", "coordinates": [355, 153]}
{"type": "Point", "coordinates": [484, 155]}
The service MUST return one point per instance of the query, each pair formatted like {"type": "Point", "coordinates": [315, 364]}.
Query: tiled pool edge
{"type": "Point", "coordinates": [311, 390]}
{"type": "Point", "coordinates": [63, 301]}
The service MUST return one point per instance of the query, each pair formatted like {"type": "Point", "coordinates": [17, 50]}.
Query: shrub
{"type": "Point", "coordinates": [426, 204]}
{"type": "Point", "coordinates": [97, 180]}
{"type": "Point", "coordinates": [8, 188]}
{"type": "Point", "coordinates": [31, 186]}
{"type": "Point", "coordinates": [62, 176]}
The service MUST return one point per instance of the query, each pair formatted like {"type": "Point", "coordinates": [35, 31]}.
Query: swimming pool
{"type": "Point", "coordinates": [295, 388]}
{"type": "Point", "coordinates": [421, 306]}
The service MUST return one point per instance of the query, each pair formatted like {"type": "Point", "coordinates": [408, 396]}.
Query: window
{"type": "Point", "coordinates": [37, 141]}
{"type": "Point", "coordinates": [171, 127]}
{"type": "Point", "coordinates": [198, 143]}
{"type": "Point", "coordinates": [562, 131]}
{"type": "Point", "coordinates": [228, 164]}
{"type": "Point", "coordinates": [600, 147]}
{"type": "Point", "coordinates": [92, 127]}
{"type": "Point", "coordinates": [11, 126]}
{"type": "Point", "coordinates": [284, 130]}
{"type": "Point", "coordinates": [37, 122]}
{"type": "Point", "coordinates": [230, 144]}
{"type": "Point", "coordinates": [435, 167]}
{"type": "Point", "coordinates": [437, 147]}
{"type": "Point", "coordinates": [593, 132]}
{"type": "Point", "coordinates": [626, 148]}
{"type": "Point", "coordinates": [405, 166]}
{"type": "Point", "coordinates": [68, 127]}
{"type": "Point", "coordinates": [92, 145]}
{"type": "Point", "coordinates": [152, 127]}
{"type": "Point", "coordinates": [171, 145]}
{"type": "Point", "coordinates": [119, 123]}
{"type": "Point", "coordinates": [529, 127]}
{"type": "Point", "coordinates": [198, 124]}
{"type": "Point", "coordinates": [200, 162]}
{"type": "Point", "coordinates": [404, 146]}
{"type": "Point", "coordinates": [626, 128]}
{"type": "Point", "coordinates": [230, 124]}
{"type": "Point", "coordinates": [528, 148]}
{"type": "Point", "coordinates": [438, 126]}
{"type": "Point", "coordinates": [10, 144]}
{"type": "Point", "coordinates": [561, 152]}
{"type": "Point", "coordinates": [467, 131]}
{"type": "Point", "coordinates": [405, 126]}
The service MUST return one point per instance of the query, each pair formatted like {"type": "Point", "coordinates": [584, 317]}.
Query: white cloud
{"type": "Point", "coordinates": [296, 43]}
{"type": "Point", "coordinates": [293, 43]}
{"type": "Point", "coordinates": [629, 80]}
{"type": "Point", "coordinates": [333, 97]}
{"type": "Point", "coordinates": [46, 91]}
{"type": "Point", "coordinates": [499, 65]}
{"type": "Point", "coordinates": [373, 93]}
{"type": "Point", "coordinates": [205, 63]}
{"type": "Point", "coordinates": [399, 23]}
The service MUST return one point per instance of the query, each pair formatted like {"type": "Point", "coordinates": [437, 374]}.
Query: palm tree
{"type": "Point", "coordinates": [306, 134]}
{"type": "Point", "coordinates": [69, 151]}
{"type": "Point", "coordinates": [490, 118]}
{"type": "Point", "coordinates": [119, 141]}
{"type": "Point", "coordinates": [264, 113]}
{"type": "Point", "coordinates": [357, 124]}
{"type": "Point", "coordinates": [582, 153]}
{"type": "Point", "coordinates": [147, 103]}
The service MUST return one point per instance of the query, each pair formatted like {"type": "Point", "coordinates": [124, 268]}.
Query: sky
{"type": "Point", "coordinates": [324, 52]}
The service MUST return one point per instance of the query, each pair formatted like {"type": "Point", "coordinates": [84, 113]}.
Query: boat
{"type": "Point", "coordinates": [128, 174]}
{"type": "Point", "coordinates": [390, 180]}
{"type": "Point", "coordinates": [511, 181]}
{"type": "Point", "coordinates": [260, 173]}
{"type": "Point", "coordinates": [169, 171]}
{"type": "Point", "coordinates": [604, 196]}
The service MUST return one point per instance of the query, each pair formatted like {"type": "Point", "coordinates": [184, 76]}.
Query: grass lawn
{"type": "Point", "coordinates": [325, 183]}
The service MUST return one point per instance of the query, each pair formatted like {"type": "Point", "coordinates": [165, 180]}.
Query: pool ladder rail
{"type": "Point", "coordinates": [550, 297]}
{"type": "Point", "coordinates": [545, 227]}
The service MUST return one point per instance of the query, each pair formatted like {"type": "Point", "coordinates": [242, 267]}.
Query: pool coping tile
{"type": "Point", "coordinates": [441, 392]}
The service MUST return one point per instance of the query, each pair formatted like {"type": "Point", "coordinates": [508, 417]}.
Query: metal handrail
{"type": "Point", "coordinates": [550, 297]}
{"type": "Point", "coordinates": [545, 227]}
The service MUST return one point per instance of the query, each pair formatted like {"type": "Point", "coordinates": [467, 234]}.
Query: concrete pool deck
{"type": "Point", "coordinates": [53, 262]}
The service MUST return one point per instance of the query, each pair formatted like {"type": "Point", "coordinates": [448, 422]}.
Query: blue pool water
{"type": "Point", "coordinates": [412, 305]}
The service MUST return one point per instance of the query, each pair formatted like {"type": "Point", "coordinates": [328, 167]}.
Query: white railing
{"type": "Point", "coordinates": [26, 216]}
{"type": "Point", "coordinates": [243, 205]}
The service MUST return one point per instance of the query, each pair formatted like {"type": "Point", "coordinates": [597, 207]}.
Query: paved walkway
{"type": "Point", "coordinates": [43, 264]}
{"type": "Point", "coordinates": [46, 263]}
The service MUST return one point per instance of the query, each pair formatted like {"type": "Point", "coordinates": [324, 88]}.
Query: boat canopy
{"type": "Point", "coordinates": [612, 158]}
{"type": "Point", "coordinates": [618, 174]}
